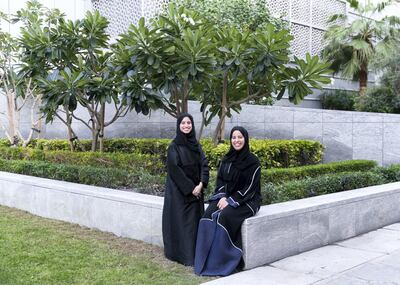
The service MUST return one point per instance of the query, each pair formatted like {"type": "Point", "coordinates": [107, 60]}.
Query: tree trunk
{"type": "Point", "coordinates": [94, 129]}
{"type": "Point", "coordinates": [203, 122]}
{"type": "Point", "coordinates": [101, 126]}
{"type": "Point", "coordinates": [71, 135]}
{"type": "Point", "coordinates": [175, 94]}
{"type": "Point", "coordinates": [221, 125]}
{"type": "Point", "coordinates": [216, 131]}
{"type": "Point", "coordinates": [219, 133]}
{"type": "Point", "coordinates": [185, 97]}
{"type": "Point", "coordinates": [94, 136]}
{"type": "Point", "coordinates": [363, 79]}
{"type": "Point", "coordinates": [12, 118]}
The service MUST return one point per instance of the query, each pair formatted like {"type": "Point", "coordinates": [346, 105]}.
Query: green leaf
{"type": "Point", "coordinates": [150, 60]}
{"type": "Point", "coordinates": [353, 3]}
{"type": "Point", "coordinates": [224, 49]}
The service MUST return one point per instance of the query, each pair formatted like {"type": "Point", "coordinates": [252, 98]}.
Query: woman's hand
{"type": "Point", "coordinates": [197, 190]}
{"type": "Point", "coordinates": [222, 203]}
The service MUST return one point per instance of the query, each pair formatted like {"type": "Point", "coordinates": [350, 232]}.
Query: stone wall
{"type": "Point", "coordinates": [124, 214]}
{"type": "Point", "coordinates": [277, 231]}
{"type": "Point", "coordinates": [345, 135]}
{"type": "Point", "coordinates": [286, 229]}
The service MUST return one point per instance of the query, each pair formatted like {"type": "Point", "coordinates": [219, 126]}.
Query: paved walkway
{"type": "Point", "coordinates": [372, 258]}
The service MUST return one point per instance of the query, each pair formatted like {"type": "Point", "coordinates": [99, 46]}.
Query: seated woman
{"type": "Point", "coordinates": [237, 196]}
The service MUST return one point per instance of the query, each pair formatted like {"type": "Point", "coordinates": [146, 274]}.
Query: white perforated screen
{"type": "Point", "coordinates": [322, 10]}
{"type": "Point", "coordinates": [300, 11]}
{"type": "Point", "coordinates": [120, 13]}
{"type": "Point", "coordinates": [307, 17]}
{"type": "Point", "coordinates": [301, 42]}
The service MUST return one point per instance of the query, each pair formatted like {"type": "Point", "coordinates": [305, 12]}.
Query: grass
{"type": "Point", "coordinates": [35, 250]}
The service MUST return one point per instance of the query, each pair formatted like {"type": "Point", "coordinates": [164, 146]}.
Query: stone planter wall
{"type": "Point", "coordinates": [277, 231]}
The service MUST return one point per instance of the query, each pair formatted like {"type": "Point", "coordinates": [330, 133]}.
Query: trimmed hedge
{"type": "Point", "coordinates": [145, 182]}
{"type": "Point", "coordinates": [139, 181]}
{"type": "Point", "coordinates": [325, 184]}
{"type": "Point", "coordinates": [126, 145]}
{"type": "Point", "coordinates": [280, 175]}
{"type": "Point", "coordinates": [390, 174]}
{"type": "Point", "coordinates": [105, 177]}
{"type": "Point", "coordinates": [272, 153]}
{"type": "Point", "coordinates": [150, 163]}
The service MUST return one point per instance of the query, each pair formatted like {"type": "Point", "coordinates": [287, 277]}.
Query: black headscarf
{"type": "Point", "coordinates": [186, 139]}
{"type": "Point", "coordinates": [243, 158]}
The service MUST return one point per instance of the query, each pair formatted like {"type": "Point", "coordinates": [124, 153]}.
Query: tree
{"type": "Point", "coordinates": [244, 15]}
{"type": "Point", "coordinates": [167, 57]}
{"type": "Point", "coordinates": [257, 66]}
{"type": "Point", "coordinates": [385, 97]}
{"type": "Point", "coordinates": [233, 22]}
{"type": "Point", "coordinates": [390, 68]}
{"type": "Point", "coordinates": [183, 55]}
{"type": "Point", "coordinates": [352, 46]}
{"type": "Point", "coordinates": [252, 58]}
{"type": "Point", "coordinates": [72, 65]}
{"type": "Point", "coordinates": [17, 91]}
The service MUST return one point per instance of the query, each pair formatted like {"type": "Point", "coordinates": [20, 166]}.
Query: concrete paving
{"type": "Point", "coordinates": [369, 259]}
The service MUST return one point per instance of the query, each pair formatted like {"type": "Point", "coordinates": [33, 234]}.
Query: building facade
{"type": "Point", "coordinates": [307, 19]}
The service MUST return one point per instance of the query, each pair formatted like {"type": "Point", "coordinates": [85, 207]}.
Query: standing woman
{"type": "Point", "coordinates": [237, 196]}
{"type": "Point", "coordinates": [187, 175]}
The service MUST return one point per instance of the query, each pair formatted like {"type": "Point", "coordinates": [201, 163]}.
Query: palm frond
{"type": "Point", "coordinates": [381, 6]}
{"type": "Point", "coordinates": [336, 17]}
{"type": "Point", "coordinates": [351, 67]}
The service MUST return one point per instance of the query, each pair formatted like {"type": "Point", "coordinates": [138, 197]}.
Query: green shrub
{"type": "Point", "coordinates": [133, 161]}
{"type": "Point", "coordinates": [287, 153]}
{"type": "Point", "coordinates": [4, 143]}
{"type": "Point", "coordinates": [379, 99]}
{"type": "Point", "coordinates": [338, 100]}
{"type": "Point", "coordinates": [325, 184]}
{"type": "Point", "coordinates": [127, 145]}
{"type": "Point", "coordinates": [272, 153]}
{"type": "Point", "coordinates": [276, 176]}
{"type": "Point", "coordinates": [280, 175]}
{"type": "Point", "coordinates": [147, 183]}
{"type": "Point", "coordinates": [105, 177]}
{"type": "Point", "coordinates": [390, 174]}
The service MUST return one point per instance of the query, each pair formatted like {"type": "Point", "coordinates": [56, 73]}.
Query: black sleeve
{"type": "Point", "coordinates": [248, 191]}
{"type": "Point", "coordinates": [219, 191]}
{"type": "Point", "coordinates": [205, 172]}
{"type": "Point", "coordinates": [175, 171]}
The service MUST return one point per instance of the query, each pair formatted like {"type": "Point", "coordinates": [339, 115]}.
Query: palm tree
{"type": "Point", "coordinates": [352, 46]}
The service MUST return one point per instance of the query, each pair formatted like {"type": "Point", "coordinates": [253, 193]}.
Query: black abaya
{"type": "Point", "coordinates": [182, 210]}
{"type": "Point", "coordinates": [219, 240]}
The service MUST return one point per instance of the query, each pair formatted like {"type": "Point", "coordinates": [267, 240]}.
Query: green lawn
{"type": "Point", "coordinates": [35, 250]}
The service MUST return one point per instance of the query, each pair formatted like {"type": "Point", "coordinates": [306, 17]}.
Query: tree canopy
{"type": "Point", "coordinates": [352, 46]}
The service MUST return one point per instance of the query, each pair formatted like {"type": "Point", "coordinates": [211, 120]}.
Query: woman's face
{"type": "Point", "coordinates": [186, 125]}
{"type": "Point", "coordinates": [237, 140]}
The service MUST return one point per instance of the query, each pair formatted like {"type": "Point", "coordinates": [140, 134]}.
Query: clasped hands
{"type": "Point", "coordinates": [197, 190]}
{"type": "Point", "coordinates": [222, 203]}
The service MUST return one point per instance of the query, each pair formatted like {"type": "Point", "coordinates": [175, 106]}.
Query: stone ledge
{"type": "Point", "coordinates": [126, 214]}
{"type": "Point", "coordinates": [87, 190]}
{"type": "Point", "coordinates": [289, 228]}
{"type": "Point", "coordinates": [294, 207]}
{"type": "Point", "coordinates": [277, 231]}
